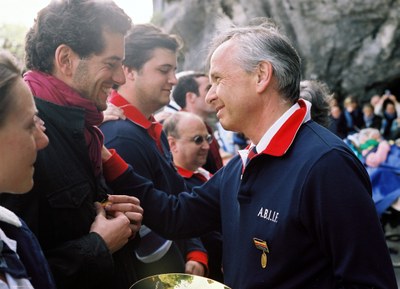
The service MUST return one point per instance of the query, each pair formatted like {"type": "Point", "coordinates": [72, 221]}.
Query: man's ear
{"type": "Point", "coordinates": [172, 143]}
{"type": "Point", "coordinates": [190, 97]}
{"type": "Point", "coordinates": [264, 73]}
{"type": "Point", "coordinates": [129, 72]}
{"type": "Point", "coordinates": [64, 60]}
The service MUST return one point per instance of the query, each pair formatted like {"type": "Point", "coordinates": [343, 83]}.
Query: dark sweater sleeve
{"type": "Point", "coordinates": [173, 216]}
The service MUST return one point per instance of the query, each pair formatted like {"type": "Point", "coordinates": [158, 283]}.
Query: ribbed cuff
{"type": "Point", "coordinates": [200, 257]}
{"type": "Point", "coordinates": [114, 166]}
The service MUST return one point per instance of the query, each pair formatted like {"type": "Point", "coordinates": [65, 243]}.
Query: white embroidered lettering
{"type": "Point", "coordinates": [276, 217]}
{"type": "Point", "coordinates": [268, 215]}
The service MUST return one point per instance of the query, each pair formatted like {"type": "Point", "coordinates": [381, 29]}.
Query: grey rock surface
{"type": "Point", "coordinates": [352, 45]}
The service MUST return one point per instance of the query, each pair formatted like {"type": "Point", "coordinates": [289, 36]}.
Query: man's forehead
{"type": "Point", "coordinates": [225, 52]}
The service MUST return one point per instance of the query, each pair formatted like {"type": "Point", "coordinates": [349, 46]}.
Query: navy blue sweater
{"type": "Point", "coordinates": [312, 206]}
{"type": "Point", "coordinates": [137, 148]}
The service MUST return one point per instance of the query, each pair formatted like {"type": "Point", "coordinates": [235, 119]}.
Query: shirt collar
{"type": "Point", "coordinates": [9, 217]}
{"type": "Point", "coordinates": [130, 111]}
{"type": "Point", "coordinates": [279, 137]}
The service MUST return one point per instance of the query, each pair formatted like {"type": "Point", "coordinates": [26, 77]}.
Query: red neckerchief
{"type": "Point", "coordinates": [185, 173]}
{"type": "Point", "coordinates": [200, 174]}
{"type": "Point", "coordinates": [51, 89]}
{"type": "Point", "coordinates": [154, 128]}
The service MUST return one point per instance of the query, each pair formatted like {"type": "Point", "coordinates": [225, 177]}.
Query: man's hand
{"type": "Point", "coordinates": [113, 113]}
{"type": "Point", "coordinates": [115, 231]}
{"type": "Point", "coordinates": [128, 205]}
{"type": "Point", "coordinates": [194, 268]}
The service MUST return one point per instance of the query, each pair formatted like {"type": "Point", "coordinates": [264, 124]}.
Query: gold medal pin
{"type": "Point", "coordinates": [262, 245]}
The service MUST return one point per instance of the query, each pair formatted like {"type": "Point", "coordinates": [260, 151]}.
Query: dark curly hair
{"type": "Point", "coordinates": [76, 23]}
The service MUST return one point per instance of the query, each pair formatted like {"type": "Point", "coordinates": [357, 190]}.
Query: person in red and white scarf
{"type": "Point", "coordinates": [190, 141]}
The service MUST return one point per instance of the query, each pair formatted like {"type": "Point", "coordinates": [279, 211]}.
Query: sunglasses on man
{"type": "Point", "coordinates": [199, 139]}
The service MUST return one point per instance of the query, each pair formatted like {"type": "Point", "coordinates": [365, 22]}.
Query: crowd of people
{"type": "Point", "coordinates": [364, 130]}
{"type": "Point", "coordinates": [372, 131]}
{"type": "Point", "coordinates": [381, 112]}
{"type": "Point", "coordinates": [114, 194]}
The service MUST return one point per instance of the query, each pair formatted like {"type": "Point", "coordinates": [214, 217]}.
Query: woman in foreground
{"type": "Point", "coordinates": [22, 263]}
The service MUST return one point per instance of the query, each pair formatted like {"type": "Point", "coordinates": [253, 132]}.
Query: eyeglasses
{"type": "Point", "coordinates": [198, 139]}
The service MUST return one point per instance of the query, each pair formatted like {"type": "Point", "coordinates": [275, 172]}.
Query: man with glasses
{"type": "Point", "coordinates": [149, 68]}
{"type": "Point", "coordinates": [190, 93]}
{"type": "Point", "coordinates": [190, 141]}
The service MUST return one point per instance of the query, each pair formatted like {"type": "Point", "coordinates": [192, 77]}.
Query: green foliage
{"type": "Point", "coordinates": [12, 38]}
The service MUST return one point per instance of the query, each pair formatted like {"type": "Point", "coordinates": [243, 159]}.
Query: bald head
{"type": "Point", "coordinates": [188, 139]}
{"type": "Point", "coordinates": [176, 122]}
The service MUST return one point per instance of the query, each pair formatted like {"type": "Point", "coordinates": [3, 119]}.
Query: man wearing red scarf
{"type": "Point", "coordinates": [74, 54]}
{"type": "Point", "coordinates": [149, 66]}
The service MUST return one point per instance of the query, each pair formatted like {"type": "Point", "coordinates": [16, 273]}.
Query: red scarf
{"type": "Point", "coordinates": [49, 88]}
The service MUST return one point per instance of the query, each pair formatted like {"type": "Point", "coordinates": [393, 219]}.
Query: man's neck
{"type": "Point", "coordinates": [141, 106]}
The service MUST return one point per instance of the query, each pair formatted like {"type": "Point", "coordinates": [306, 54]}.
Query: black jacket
{"type": "Point", "coordinates": [60, 208]}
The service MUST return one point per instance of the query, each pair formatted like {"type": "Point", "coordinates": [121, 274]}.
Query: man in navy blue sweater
{"type": "Point", "coordinates": [149, 68]}
{"type": "Point", "coordinates": [295, 208]}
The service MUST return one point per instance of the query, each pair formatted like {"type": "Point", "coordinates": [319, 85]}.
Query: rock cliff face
{"type": "Point", "coordinates": [352, 45]}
